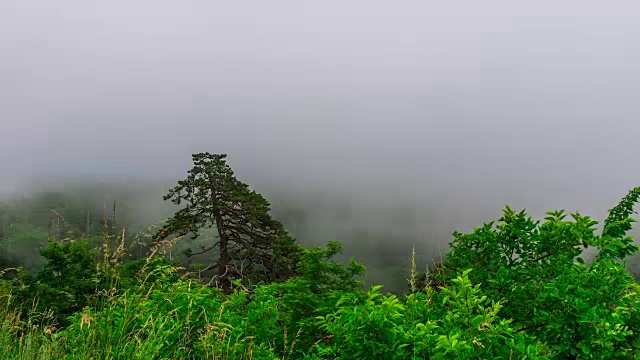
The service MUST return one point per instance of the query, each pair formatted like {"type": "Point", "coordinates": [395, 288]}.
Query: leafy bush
{"type": "Point", "coordinates": [534, 268]}
{"type": "Point", "coordinates": [67, 283]}
{"type": "Point", "coordinates": [377, 326]}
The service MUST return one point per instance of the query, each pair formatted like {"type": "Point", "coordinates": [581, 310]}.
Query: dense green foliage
{"type": "Point", "coordinates": [516, 288]}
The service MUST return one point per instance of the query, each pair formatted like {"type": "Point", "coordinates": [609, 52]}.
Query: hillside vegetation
{"type": "Point", "coordinates": [515, 288]}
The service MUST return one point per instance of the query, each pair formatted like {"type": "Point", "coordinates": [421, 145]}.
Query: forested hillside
{"type": "Point", "coordinates": [224, 278]}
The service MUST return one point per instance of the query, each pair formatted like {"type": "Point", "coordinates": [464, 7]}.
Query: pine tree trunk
{"type": "Point", "coordinates": [225, 259]}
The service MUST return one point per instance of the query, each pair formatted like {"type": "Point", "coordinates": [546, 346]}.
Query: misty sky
{"type": "Point", "coordinates": [483, 103]}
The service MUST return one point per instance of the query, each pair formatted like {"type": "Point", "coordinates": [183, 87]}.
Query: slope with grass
{"type": "Point", "coordinates": [515, 288]}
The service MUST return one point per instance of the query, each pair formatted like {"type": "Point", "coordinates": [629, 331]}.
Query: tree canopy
{"type": "Point", "coordinates": [252, 246]}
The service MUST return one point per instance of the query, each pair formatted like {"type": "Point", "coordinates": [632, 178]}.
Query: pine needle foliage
{"type": "Point", "coordinates": [252, 246]}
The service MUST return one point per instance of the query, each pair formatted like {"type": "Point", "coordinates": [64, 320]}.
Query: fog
{"type": "Point", "coordinates": [449, 110]}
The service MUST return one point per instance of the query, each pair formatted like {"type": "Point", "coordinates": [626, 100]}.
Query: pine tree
{"type": "Point", "coordinates": [251, 244]}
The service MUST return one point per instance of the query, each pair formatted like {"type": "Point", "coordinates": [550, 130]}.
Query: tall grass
{"type": "Point", "coordinates": [114, 334]}
{"type": "Point", "coordinates": [121, 324]}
